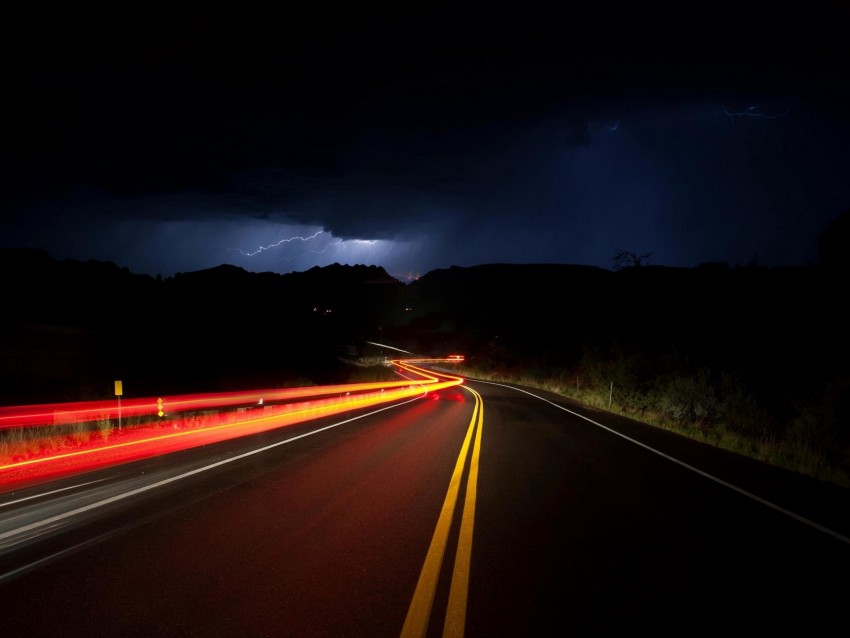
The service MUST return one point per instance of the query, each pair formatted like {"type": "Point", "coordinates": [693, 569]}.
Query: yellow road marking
{"type": "Point", "coordinates": [416, 623]}
{"type": "Point", "coordinates": [456, 612]}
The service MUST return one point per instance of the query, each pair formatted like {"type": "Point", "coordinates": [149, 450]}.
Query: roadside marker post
{"type": "Point", "coordinates": [119, 390]}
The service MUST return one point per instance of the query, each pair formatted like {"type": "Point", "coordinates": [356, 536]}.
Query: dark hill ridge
{"type": "Point", "coordinates": [789, 309]}
{"type": "Point", "coordinates": [92, 293]}
{"type": "Point", "coordinates": [70, 328]}
{"type": "Point", "coordinates": [781, 331]}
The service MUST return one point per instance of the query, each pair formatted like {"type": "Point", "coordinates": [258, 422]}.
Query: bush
{"type": "Point", "coordinates": [743, 414]}
{"type": "Point", "coordinates": [690, 399]}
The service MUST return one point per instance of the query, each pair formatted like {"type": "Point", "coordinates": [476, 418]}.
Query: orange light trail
{"type": "Point", "coordinates": [64, 413]}
{"type": "Point", "coordinates": [163, 436]}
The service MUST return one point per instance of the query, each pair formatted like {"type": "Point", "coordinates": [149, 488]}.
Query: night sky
{"type": "Point", "coordinates": [425, 137]}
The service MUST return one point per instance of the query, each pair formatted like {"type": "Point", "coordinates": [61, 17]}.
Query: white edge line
{"type": "Point", "coordinates": [765, 502]}
{"type": "Point", "coordinates": [43, 494]}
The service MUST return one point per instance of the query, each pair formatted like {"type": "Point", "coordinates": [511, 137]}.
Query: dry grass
{"type": "Point", "coordinates": [799, 454]}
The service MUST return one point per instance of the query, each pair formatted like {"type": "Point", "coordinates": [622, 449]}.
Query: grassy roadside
{"type": "Point", "coordinates": [793, 450]}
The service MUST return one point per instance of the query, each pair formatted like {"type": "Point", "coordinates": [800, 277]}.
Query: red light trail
{"type": "Point", "coordinates": [271, 409]}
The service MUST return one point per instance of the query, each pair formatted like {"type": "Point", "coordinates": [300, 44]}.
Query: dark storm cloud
{"type": "Point", "coordinates": [698, 132]}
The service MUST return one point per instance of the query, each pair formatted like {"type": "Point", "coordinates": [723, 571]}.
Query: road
{"type": "Point", "coordinates": [482, 510]}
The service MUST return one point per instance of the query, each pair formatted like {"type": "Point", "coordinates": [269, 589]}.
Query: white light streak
{"type": "Point", "coordinates": [383, 345]}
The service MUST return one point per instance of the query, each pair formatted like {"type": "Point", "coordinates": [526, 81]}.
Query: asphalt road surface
{"type": "Point", "coordinates": [485, 510]}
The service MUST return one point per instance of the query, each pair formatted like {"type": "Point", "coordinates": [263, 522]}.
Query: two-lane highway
{"type": "Point", "coordinates": [482, 510]}
{"type": "Point", "coordinates": [592, 525]}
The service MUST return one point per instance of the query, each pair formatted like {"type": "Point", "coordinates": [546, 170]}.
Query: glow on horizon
{"type": "Point", "coordinates": [168, 247]}
{"type": "Point", "coordinates": [301, 250]}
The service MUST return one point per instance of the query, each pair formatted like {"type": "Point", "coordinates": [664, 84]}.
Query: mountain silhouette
{"type": "Point", "coordinates": [72, 327]}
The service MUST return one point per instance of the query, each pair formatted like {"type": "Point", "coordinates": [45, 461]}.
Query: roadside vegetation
{"type": "Point", "coordinates": [720, 409]}
{"type": "Point", "coordinates": [23, 443]}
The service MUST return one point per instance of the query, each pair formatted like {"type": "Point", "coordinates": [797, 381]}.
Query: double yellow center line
{"type": "Point", "coordinates": [416, 623]}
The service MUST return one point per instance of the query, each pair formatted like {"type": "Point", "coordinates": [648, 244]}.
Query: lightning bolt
{"type": "Point", "coordinates": [755, 113]}
{"type": "Point", "coordinates": [332, 243]}
{"type": "Point", "coordinates": [286, 240]}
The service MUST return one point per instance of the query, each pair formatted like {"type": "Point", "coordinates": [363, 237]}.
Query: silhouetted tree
{"type": "Point", "coordinates": [834, 243]}
{"type": "Point", "coordinates": [629, 259]}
